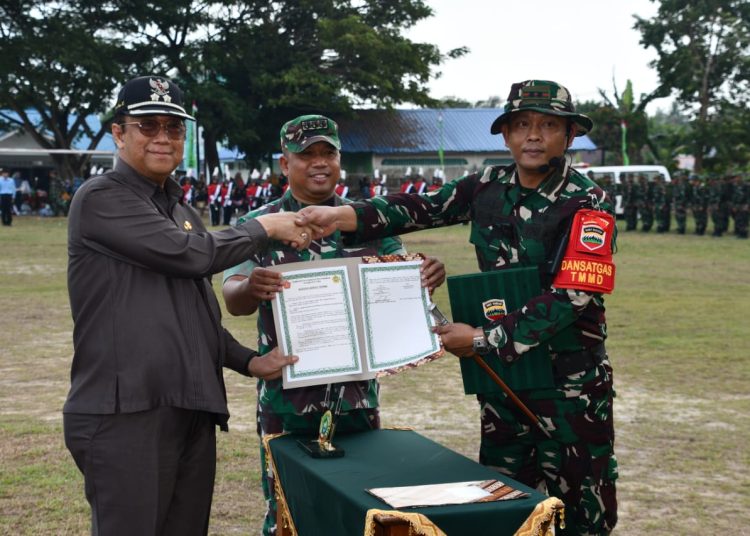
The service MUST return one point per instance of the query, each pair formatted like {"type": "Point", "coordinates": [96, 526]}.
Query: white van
{"type": "Point", "coordinates": [616, 173]}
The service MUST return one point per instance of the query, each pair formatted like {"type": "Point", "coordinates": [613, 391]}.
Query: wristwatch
{"type": "Point", "coordinates": [480, 344]}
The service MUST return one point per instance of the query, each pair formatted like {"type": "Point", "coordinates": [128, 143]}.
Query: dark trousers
{"type": "Point", "coordinates": [146, 473]}
{"type": "Point", "coordinates": [6, 206]}
{"type": "Point", "coordinates": [215, 211]}
{"type": "Point", "coordinates": [228, 212]}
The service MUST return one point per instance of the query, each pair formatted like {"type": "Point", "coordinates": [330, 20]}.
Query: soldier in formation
{"type": "Point", "coordinates": [699, 204]}
{"type": "Point", "coordinates": [631, 194]}
{"type": "Point", "coordinates": [663, 204]}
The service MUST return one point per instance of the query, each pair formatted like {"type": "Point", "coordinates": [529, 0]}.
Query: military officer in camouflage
{"type": "Point", "coordinates": [646, 205]}
{"type": "Point", "coordinates": [699, 204]}
{"type": "Point", "coordinates": [662, 204]}
{"type": "Point", "coordinates": [520, 215]}
{"type": "Point", "coordinates": [631, 199]}
{"type": "Point", "coordinates": [682, 198]}
{"type": "Point", "coordinates": [740, 200]}
{"type": "Point", "coordinates": [311, 161]}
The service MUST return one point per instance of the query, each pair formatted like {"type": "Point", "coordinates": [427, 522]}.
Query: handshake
{"type": "Point", "coordinates": [311, 223]}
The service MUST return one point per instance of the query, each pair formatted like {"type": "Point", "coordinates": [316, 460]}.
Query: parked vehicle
{"type": "Point", "coordinates": [617, 175]}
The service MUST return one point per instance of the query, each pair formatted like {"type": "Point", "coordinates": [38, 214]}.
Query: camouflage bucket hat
{"type": "Point", "coordinates": [301, 132]}
{"type": "Point", "coordinates": [545, 97]}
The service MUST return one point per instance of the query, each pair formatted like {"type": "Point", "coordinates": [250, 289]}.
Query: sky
{"type": "Point", "coordinates": [581, 44]}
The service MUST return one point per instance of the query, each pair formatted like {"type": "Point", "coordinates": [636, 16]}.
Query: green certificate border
{"type": "Point", "coordinates": [355, 367]}
{"type": "Point", "coordinates": [367, 315]}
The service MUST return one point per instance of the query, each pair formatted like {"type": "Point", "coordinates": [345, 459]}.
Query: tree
{"type": "Point", "coordinates": [324, 56]}
{"type": "Point", "coordinates": [56, 70]}
{"type": "Point", "coordinates": [704, 58]}
{"type": "Point", "coordinates": [670, 134]}
{"type": "Point", "coordinates": [250, 65]}
{"type": "Point", "coordinates": [611, 114]}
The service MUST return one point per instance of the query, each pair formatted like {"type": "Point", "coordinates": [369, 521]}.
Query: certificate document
{"type": "Point", "coordinates": [396, 311]}
{"type": "Point", "coordinates": [352, 321]}
{"type": "Point", "coordinates": [318, 325]}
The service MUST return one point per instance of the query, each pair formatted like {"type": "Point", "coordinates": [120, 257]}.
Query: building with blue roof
{"type": "Point", "coordinates": [395, 140]}
{"type": "Point", "coordinates": [391, 141]}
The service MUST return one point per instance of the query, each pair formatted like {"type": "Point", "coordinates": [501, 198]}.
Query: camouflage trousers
{"type": "Point", "coordinates": [647, 217]}
{"type": "Point", "coordinates": [631, 217]}
{"type": "Point", "coordinates": [720, 219]}
{"type": "Point", "coordinates": [680, 216]}
{"type": "Point", "coordinates": [741, 222]}
{"type": "Point", "coordinates": [356, 420]}
{"type": "Point", "coordinates": [577, 465]}
{"type": "Point", "coordinates": [701, 221]}
{"type": "Point", "coordinates": [663, 218]}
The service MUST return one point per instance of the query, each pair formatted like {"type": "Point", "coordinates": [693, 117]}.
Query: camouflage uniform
{"type": "Point", "coordinates": [512, 228]}
{"type": "Point", "coordinates": [719, 205]}
{"type": "Point", "coordinates": [631, 198]}
{"type": "Point", "coordinates": [699, 205]}
{"type": "Point", "coordinates": [299, 410]}
{"type": "Point", "coordinates": [681, 193]}
{"type": "Point", "coordinates": [740, 200]}
{"type": "Point", "coordinates": [662, 204]}
{"type": "Point", "coordinates": [611, 189]}
{"type": "Point", "coordinates": [646, 206]}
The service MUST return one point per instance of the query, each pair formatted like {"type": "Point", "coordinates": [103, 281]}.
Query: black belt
{"type": "Point", "coordinates": [567, 363]}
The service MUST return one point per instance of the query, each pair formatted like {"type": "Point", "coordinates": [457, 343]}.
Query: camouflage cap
{"type": "Point", "coordinates": [545, 97]}
{"type": "Point", "coordinates": [301, 132]}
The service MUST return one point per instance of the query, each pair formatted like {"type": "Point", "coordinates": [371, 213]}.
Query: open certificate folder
{"type": "Point", "coordinates": [449, 493]}
{"type": "Point", "coordinates": [351, 321]}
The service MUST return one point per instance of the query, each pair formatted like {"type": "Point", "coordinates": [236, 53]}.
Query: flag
{"type": "Point", "coordinates": [191, 162]}
{"type": "Point", "coordinates": [440, 148]}
{"type": "Point", "coordinates": [624, 130]}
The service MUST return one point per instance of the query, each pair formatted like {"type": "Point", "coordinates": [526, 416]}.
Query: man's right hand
{"type": "Point", "coordinates": [270, 365]}
{"type": "Point", "coordinates": [284, 226]}
{"type": "Point", "coordinates": [326, 220]}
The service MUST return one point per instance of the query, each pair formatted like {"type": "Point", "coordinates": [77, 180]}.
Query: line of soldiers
{"type": "Point", "coordinates": [719, 198]}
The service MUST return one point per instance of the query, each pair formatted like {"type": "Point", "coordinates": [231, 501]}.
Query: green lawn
{"type": "Point", "coordinates": [679, 337]}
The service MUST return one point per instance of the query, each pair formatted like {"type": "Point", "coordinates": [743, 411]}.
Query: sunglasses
{"type": "Point", "coordinates": [151, 128]}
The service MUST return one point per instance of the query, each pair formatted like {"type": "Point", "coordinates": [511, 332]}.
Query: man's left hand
{"type": "Point", "coordinates": [269, 366]}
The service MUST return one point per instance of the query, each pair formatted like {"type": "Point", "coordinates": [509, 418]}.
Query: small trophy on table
{"type": "Point", "coordinates": [323, 447]}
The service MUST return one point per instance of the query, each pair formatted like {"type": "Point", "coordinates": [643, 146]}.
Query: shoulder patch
{"type": "Point", "coordinates": [587, 264]}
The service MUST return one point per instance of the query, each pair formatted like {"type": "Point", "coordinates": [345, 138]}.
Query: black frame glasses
{"type": "Point", "coordinates": [150, 128]}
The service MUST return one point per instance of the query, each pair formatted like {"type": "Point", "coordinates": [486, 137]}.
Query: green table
{"type": "Point", "coordinates": [327, 496]}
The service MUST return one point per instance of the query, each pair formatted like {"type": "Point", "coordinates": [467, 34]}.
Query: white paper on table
{"type": "Point", "coordinates": [317, 323]}
{"type": "Point", "coordinates": [396, 315]}
{"type": "Point", "coordinates": [432, 494]}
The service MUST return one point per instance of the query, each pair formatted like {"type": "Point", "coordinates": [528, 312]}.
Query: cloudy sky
{"type": "Point", "coordinates": [579, 43]}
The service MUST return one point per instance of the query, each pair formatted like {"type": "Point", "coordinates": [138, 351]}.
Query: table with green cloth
{"type": "Point", "coordinates": [327, 495]}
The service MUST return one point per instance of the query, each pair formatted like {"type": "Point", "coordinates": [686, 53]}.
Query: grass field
{"type": "Point", "coordinates": [679, 341]}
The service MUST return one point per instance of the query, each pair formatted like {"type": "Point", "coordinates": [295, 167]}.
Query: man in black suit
{"type": "Point", "coordinates": [147, 389]}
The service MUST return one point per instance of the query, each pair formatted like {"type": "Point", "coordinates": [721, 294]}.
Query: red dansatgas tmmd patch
{"type": "Point", "coordinates": [587, 264]}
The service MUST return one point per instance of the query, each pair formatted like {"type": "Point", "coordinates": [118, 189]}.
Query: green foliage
{"type": "Point", "coordinates": [704, 59]}
{"type": "Point", "coordinates": [249, 65]}
{"type": "Point", "coordinates": [670, 135]}
{"type": "Point", "coordinates": [57, 68]}
{"type": "Point", "coordinates": [608, 116]}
